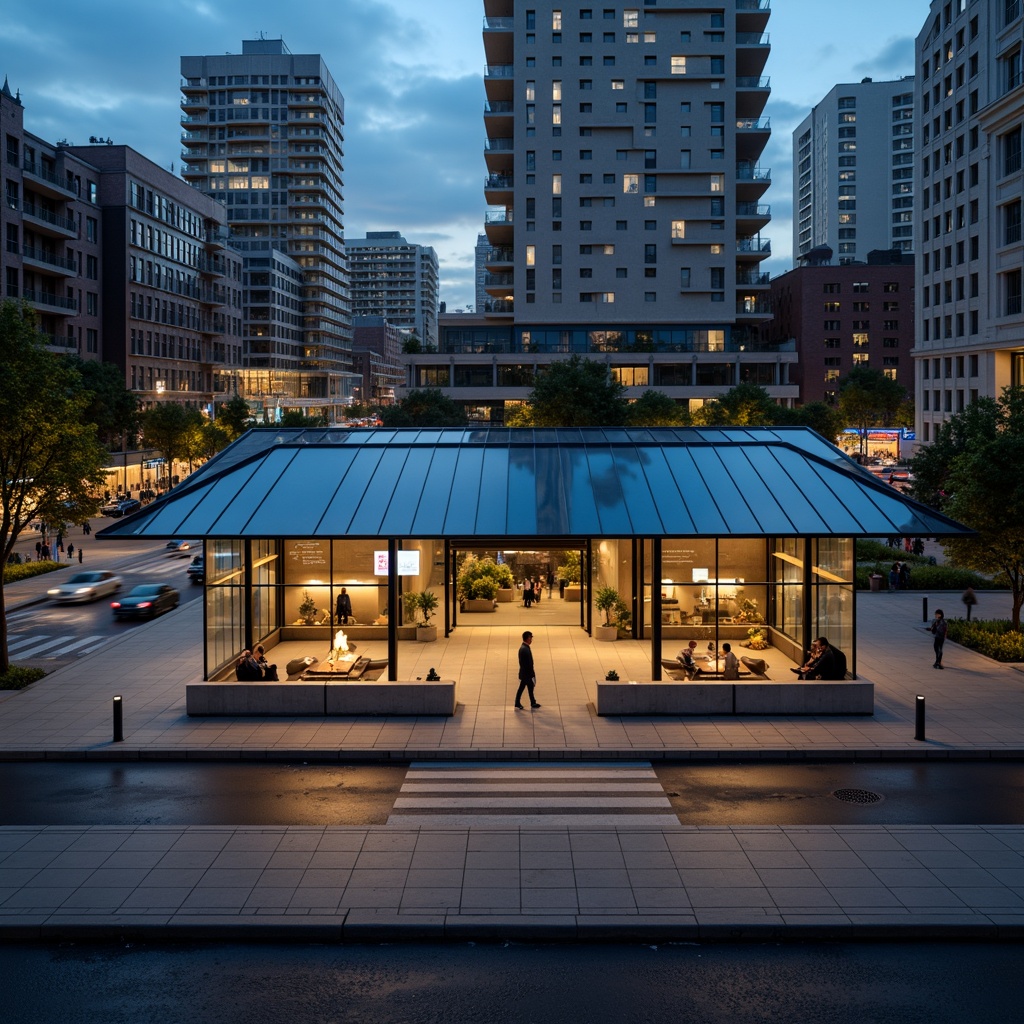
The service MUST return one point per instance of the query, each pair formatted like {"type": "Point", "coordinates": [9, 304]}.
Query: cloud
{"type": "Point", "coordinates": [893, 60]}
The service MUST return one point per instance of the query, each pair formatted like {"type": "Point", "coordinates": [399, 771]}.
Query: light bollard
{"type": "Point", "coordinates": [924, 609]}
{"type": "Point", "coordinates": [919, 718]}
{"type": "Point", "coordinates": [118, 719]}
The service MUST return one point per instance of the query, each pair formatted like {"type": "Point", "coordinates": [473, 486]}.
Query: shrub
{"type": "Point", "coordinates": [25, 571]}
{"type": "Point", "coordinates": [992, 637]}
{"type": "Point", "coordinates": [926, 577]}
{"type": "Point", "coordinates": [607, 600]}
{"type": "Point", "coordinates": [482, 578]}
{"type": "Point", "coordinates": [18, 677]}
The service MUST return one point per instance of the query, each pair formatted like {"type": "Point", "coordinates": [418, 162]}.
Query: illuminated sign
{"type": "Point", "coordinates": [408, 563]}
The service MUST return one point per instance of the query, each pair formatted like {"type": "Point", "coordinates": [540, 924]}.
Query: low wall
{"type": "Point", "coordinates": [353, 632]}
{"type": "Point", "coordinates": [850, 697]}
{"type": "Point", "coordinates": [320, 698]}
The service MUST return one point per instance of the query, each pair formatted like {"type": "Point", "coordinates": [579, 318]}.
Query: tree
{"type": "Point", "coordinates": [167, 428]}
{"type": "Point", "coordinates": [295, 418]}
{"type": "Point", "coordinates": [51, 460]}
{"type": "Point", "coordinates": [746, 405]}
{"type": "Point", "coordinates": [868, 398]}
{"type": "Point", "coordinates": [656, 409]}
{"type": "Point", "coordinates": [984, 489]}
{"type": "Point", "coordinates": [819, 416]}
{"type": "Point", "coordinates": [112, 407]}
{"type": "Point", "coordinates": [578, 392]}
{"type": "Point", "coordinates": [234, 416]}
{"type": "Point", "coordinates": [426, 408]}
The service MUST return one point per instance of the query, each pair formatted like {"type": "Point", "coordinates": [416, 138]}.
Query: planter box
{"type": "Point", "coordinates": [572, 593]}
{"type": "Point", "coordinates": [479, 604]}
{"type": "Point", "coordinates": [426, 634]}
{"type": "Point", "coordinates": [391, 698]}
{"type": "Point", "coordinates": [606, 632]}
{"type": "Point", "coordinates": [505, 595]}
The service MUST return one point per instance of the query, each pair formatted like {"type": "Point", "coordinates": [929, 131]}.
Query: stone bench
{"type": "Point", "coordinates": [287, 699]}
{"type": "Point", "coordinates": [813, 697]}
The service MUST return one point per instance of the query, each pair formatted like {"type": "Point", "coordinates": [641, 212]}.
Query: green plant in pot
{"type": "Point", "coordinates": [570, 571]}
{"type": "Point", "coordinates": [482, 578]}
{"type": "Point", "coordinates": [307, 609]}
{"type": "Point", "coordinates": [427, 603]}
{"type": "Point", "coordinates": [607, 600]}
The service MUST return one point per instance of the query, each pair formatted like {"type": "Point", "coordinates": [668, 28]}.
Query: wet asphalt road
{"type": "Point", "coordinates": [215, 793]}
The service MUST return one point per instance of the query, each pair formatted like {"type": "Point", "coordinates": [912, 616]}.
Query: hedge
{"type": "Point", "coordinates": [25, 571]}
{"type": "Point", "coordinates": [18, 677]}
{"type": "Point", "coordinates": [926, 577]}
{"type": "Point", "coordinates": [992, 637]}
{"type": "Point", "coordinates": [877, 551]}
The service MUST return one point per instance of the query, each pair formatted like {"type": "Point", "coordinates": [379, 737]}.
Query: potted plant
{"type": "Point", "coordinates": [612, 676]}
{"type": "Point", "coordinates": [479, 582]}
{"type": "Point", "coordinates": [427, 603]}
{"type": "Point", "coordinates": [607, 600]}
{"type": "Point", "coordinates": [307, 610]}
{"type": "Point", "coordinates": [570, 573]}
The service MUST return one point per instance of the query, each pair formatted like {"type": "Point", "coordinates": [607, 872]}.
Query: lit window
{"type": "Point", "coordinates": [632, 37]}
{"type": "Point", "coordinates": [678, 65]}
{"type": "Point", "coordinates": [556, 90]}
{"type": "Point", "coordinates": [717, 182]}
{"type": "Point", "coordinates": [649, 200]}
{"type": "Point", "coordinates": [631, 19]}
{"type": "Point", "coordinates": [556, 20]}
{"type": "Point", "coordinates": [531, 91]}
{"type": "Point", "coordinates": [679, 229]}
{"type": "Point", "coordinates": [618, 83]}
{"type": "Point", "coordinates": [531, 255]}
{"type": "Point", "coordinates": [556, 113]}
{"type": "Point", "coordinates": [650, 37]}
{"type": "Point", "coordinates": [717, 249]}
{"type": "Point", "coordinates": [556, 184]}
{"type": "Point", "coordinates": [631, 183]}
{"type": "Point", "coordinates": [606, 296]}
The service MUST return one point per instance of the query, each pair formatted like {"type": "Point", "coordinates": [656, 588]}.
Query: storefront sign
{"type": "Point", "coordinates": [408, 563]}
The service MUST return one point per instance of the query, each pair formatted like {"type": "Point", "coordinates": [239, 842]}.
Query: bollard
{"type": "Point", "coordinates": [924, 609]}
{"type": "Point", "coordinates": [118, 720]}
{"type": "Point", "coordinates": [919, 718]}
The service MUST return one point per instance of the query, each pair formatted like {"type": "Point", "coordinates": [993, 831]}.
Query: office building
{"type": "Point", "coordinates": [376, 350]}
{"type": "Point", "coordinates": [480, 251]}
{"type": "Point", "coordinates": [845, 316]}
{"type": "Point", "coordinates": [624, 203]}
{"type": "Point", "coordinates": [396, 279]}
{"type": "Point", "coordinates": [853, 171]}
{"type": "Point", "coordinates": [262, 132]}
{"type": "Point", "coordinates": [122, 261]}
{"type": "Point", "coordinates": [970, 99]}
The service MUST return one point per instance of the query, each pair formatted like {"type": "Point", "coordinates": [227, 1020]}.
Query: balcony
{"type": "Point", "coordinates": [48, 262]}
{"type": "Point", "coordinates": [498, 256]}
{"type": "Point", "coordinates": [754, 305]}
{"type": "Point", "coordinates": [498, 81]}
{"type": "Point", "coordinates": [498, 40]}
{"type": "Point", "coordinates": [752, 50]}
{"type": "Point", "coordinates": [50, 302]}
{"type": "Point", "coordinates": [500, 306]}
{"type": "Point", "coordinates": [48, 181]}
{"type": "Point", "coordinates": [752, 279]}
{"type": "Point", "coordinates": [498, 188]}
{"type": "Point", "coordinates": [45, 221]}
{"type": "Point", "coordinates": [213, 265]}
{"type": "Point", "coordinates": [498, 155]}
{"type": "Point", "coordinates": [759, 247]}
{"type": "Point", "coordinates": [753, 215]}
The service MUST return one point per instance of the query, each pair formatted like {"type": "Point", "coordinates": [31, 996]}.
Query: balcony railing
{"type": "Point", "coordinates": [752, 5]}
{"type": "Point", "coordinates": [498, 280]}
{"type": "Point", "coordinates": [498, 181]}
{"type": "Point", "coordinates": [498, 145]}
{"type": "Point", "coordinates": [39, 213]}
{"type": "Point", "coordinates": [49, 299]}
{"type": "Point", "coordinates": [499, 256]}
{"type": "Point", "coordinates": [50, 258]}
{"type": "Point", "coordinates": [753, 245]}
{"type": "Point", "coordinates": [745, 82]}
{"type": "Point", "coordinates": [499, 107]}
{"type": "Point", "coordinates": [752, 38]}
{"type": "Point", "coordinates": [748, 173]}
{"type": "Point", "coordinates": [498, 24]}
{"type": "Point", "coordinates": [754, 124]}
{"type": "Point", "coordinates": [745, 280]}
{"type": "Point", "coordinates": [753, 210]}
{"type": "Point", "coordinates": [498, 217]}
{"type": "Point", "coordinates": [39, 171]}
{"type": "Point", "coordinates": [499, 71]}
{"type": "Point", "coordinates": [499, 306]}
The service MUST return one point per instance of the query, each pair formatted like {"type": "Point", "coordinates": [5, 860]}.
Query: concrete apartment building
{"type": "Point", "coordinates": [845, 316]}
{"type": "Point", "coordinates": [122, 261]}
{"type": "Point", "coordinates": [263, 132]}
{"type": "Point", "coordinates": [970, 96]}
{"type": "Point", "coordinates": [376, 350]}
{"type": "Point", "coordinates": [853, 171]}
{"type": "Point", "coordinates": [624, 204]}
{"type": "Point", "coordinates": [393, 278]}
{"type": "Point", "coordinates": [480, 252]}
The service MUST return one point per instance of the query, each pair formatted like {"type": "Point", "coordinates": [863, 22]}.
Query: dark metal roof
{"type": "Point", "coordinates": [659, 482]}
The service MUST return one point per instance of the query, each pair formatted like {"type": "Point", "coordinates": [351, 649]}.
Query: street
{"type": "Point", "coordinates": [688, 983]}
{"type": "Point", "coordinates": [303, 794]}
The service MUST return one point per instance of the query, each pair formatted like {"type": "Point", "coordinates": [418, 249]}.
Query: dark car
{"type": "Point", "coordinates": [121, 508]}
{"type": "Point", "coordinates": [145, 601]}
{"type": "Point", "coordinates": [196, 571]}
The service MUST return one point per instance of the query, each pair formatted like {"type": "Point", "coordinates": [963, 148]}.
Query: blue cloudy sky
{"type": "Point", "coordinates": [410, 71]}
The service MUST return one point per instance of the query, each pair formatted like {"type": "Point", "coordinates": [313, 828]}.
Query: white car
{"type": "Point", "coordinates": [184, 547]}
{"type": "Point", "coordinates": [86, 586]}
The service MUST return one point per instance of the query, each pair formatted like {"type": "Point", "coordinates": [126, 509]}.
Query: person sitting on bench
{"type": "Point", "coordinates": [247, 668]}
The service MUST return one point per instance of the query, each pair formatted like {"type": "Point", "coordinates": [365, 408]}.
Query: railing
{"type": "Point", "coordinates": [499, 306]}
{"type": "Point", "coordinates": [752, 38]}
{"type": "Point", "coordinates": [49, 299]}
{"type": "Point", "coordinates": [37, 212]}
{"type": "Point", "coordinates": [51, 259]}
{"type": "Point", "coordinates": [498, 181]}
{"type": "Point", "coordinates": [498, 145]}
{"type": "Point", "coordinates": [752, 5]}
{"type": "Point", "coordinates": [754, 123]}
{"type": "Point", "coordinates": [760, 307]}
{"type": "Point", "coordinates": [498, 217]}
{"type": "Point", "coordinates": [498, 24]}
{"type": "Point", "coordinates": [38, 171]}
{"type": "Point", "coordinates": [499, 71]}
{"type": "Point", "coordinates": [211, 265]}
{"type": "Point", "coordinates": [753, 210]}
{"type": "Point", "coordinates": [753, 174]}
{"type": "Point", "coordinates": [498, 280]}
{"type": "Point", "coordinates": [747, 279]}
{"type": "Point", "coordinates": [753, 245]}
{"type": "Point", "coordinates": [499, 256]}
{"type": "Point", "coordinates": [746, 82]}
{"type": "Point", "coordinates": [499, 107]}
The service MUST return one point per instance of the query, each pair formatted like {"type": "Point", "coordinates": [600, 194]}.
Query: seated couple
{"type": "Point", "coordinates": [823, 662]}
{"type": "Point", "coordinates": [252, 667]}
{"type": "Point", "coordinates": [730, 663]}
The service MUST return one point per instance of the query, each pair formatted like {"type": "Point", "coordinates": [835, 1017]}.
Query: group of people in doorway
{"type": "Point", "coordinates": [533, 588]}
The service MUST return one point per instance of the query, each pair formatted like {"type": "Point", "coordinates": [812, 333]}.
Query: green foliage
{"type": "Point", "coordinates": [607, 600]}
{"type": "Point", "coordinates": [995, 638]}
{"type": "Point", "coordinates": [295, 419]}
{"type": "Point", "coordinates": [868, 398]}
{"type": "Point", "coordinates": [17, 677]}
{"type": "Point", "coordinates": [876, 551]}
{"type": "Point", "coordinates": [428, 407]}
{"type": "Point", "coordinates": [426, 602]}
{"type": "Point", "coordinates": [307, 609]}
{"type": "Point", "coordinates": [578, 392]}
{"type": "Point", "coordinates": [51, 460]}
{"type": "Point", "coordinates": [482, 578]}
{"type": "Point", "coordinates": [746, 405]}
{"type": "Point", "coordinates": [819, 416]}
{"type": "Point", "coordinates": [410, 601]}
{"type": "Point", "coordinates": [570, 571]}
{"type": "Point", "coordinates": [234, 416]}
{"type": "Point", "coordinates": [611, 676]}
{"type": "Point", "coordinates": [656, 409]}
{"type": "Point", "coordinates": [26, 570]}
{"type": "Point", "coordinates": [924, 577]}
{"type": "Point", "coordinates": [112, 407]}
{"type": "Point", "coordinates": [171, 429]}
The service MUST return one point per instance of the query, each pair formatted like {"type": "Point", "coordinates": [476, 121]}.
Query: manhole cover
{"type": "Point", "coordinates": [857, 796]}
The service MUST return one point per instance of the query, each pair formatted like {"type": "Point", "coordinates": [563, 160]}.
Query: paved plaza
{"type": "Point", "coordinates": [608, 877]}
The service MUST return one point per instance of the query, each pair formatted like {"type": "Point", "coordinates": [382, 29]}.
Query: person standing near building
{"type": "Point", "coordinates": [938, 629]}
{"type": "Point", "coordinates": [527, 673]}
{"type": "Point", "coordinates": [343, 609]}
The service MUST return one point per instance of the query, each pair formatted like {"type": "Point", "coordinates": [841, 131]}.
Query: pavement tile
{"type": "Point", "coordinates": [490, 898]}
{"type": "Point", "coordinates": [364, 897]}
{"type": "Point", "coordinates": [445, 898]}
{"type": "Point", "coordinates": [653, 898]}
{"type": "Point", "coordinates": [564, 898]}
{"type": "Point", "coordinates": [808, 897]}
{"type": "Point", "coordinates": [727, 897]}
{"type": "Point", "coordinates": [862, 897]}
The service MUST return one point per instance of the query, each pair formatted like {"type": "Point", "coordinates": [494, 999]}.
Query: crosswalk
{"type": "Point", "coordinates": [42, 645]}
{"type": "Point", "coordinates": [541, 795]}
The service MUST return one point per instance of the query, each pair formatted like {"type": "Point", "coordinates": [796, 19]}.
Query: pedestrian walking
{"type": "Point", "coordinates": [71, 551]}
{"type": "Point", "coordinates": [907, 544]}
{"type": "Point", "coordinates": [970, 599]}
{"type": "Point", "coordinates": [938, 629]}
{"type": "Point", "coordinates": [527, 673]}
{"type": "Point", "coordinates": [86, 529]}
{"type": "Point", "coordinates": [918, 546]}
{"type": "Point", "coordinates": [79, 554]}
{"type": "Point", "coordinates": [39, 550]}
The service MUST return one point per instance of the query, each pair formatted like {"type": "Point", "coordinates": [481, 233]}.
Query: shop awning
{"type": "Point", "coordinates": [664, 482]}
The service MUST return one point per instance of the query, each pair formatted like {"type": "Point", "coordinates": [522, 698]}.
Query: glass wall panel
{"type": "Point", "coordinates": [265, 619]}
{"type": "Point", "coordinates": [353, 569]}
{"type": "Point", "coordinates": [788, 571]}
{"type": "Point", "coordinates": [225, 602]}
{"type": "Point", "coordinates": [307, 591]}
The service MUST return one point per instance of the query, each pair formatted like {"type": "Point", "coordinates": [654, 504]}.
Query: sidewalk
{"type": "Point", "coordinates": [396, 882]}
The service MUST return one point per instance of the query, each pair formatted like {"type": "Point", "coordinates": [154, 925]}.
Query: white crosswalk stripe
{"type": "Point", "coordinates": [543, 795]}
{"type": "Point", "coordinates": [34, 646]}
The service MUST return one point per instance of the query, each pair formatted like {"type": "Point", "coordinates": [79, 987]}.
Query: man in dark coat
{"type": "Point", "coordinates": [527, 674]}
{"type": "Point", "coordinates": [343, 610]}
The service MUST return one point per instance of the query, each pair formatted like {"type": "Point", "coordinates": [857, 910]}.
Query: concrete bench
{"type": "Point", "coordinates": [318, 697]}
{"type": "Point", "coordinates": [849, 697]}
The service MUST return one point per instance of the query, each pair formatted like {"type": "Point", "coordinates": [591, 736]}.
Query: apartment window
{"type": "Point", "coordinates": [679, 229]}
{"type": "Point", "coordinates": [1012, 293]}
{"type": "Point", "coordinates": [1011, 144]}
{"type": "Point", "coordinates": [618, 83]}
{"type": "Point", "coordinates": [631, 18]}
{"type": "Point", "coordinates": [678, 65]}
{"type": "Point", "coordinates": [556, 20]}
{"type": "Point", "coordinates": [631, 184]}
{"type": "Point", "coordinates": [1012, 223]}
{"type": "Point", "coordinates": [531, 255]}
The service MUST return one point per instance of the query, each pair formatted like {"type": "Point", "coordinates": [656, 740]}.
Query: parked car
{"type": "Point", "coordinates": [184, 547]}
{"type": "Point", "coordinates": [86, 586]}
{"type": "Point", "coordinates": [121, 508]}
{"type": "Point", "coordinates": [111, 508]}
{"type": "Point", "coordinates": [196, 571]}
{"type": "Point", "coordinates": [145, 601]}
